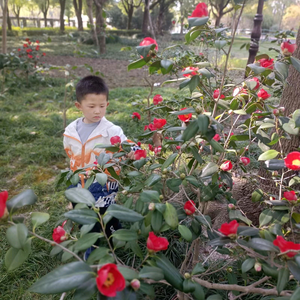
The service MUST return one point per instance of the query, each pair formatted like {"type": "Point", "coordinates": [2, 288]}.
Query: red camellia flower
{"type": "Point", "coordinates": [229, 229]}
{"type": "Point", "coordinates": [59, 235]}
{"type": "Point", "coordinates": [185, 118]}
{"type": "Point", "coordinates": [157, 99]}
{"type": "Point", "coordinates": [157, 149]}
{"type": "Point", "coordinates": [19, 49]}
{"type": "Point", "coordinates": [189, 207]}
{"type": "Point", "coordinates": [139, 144]}
{"type": "Point", "coordinates": [245, 160]}
{"type": "Point", "coordinates": [44, 54]}
{"type": "Point", "coordinates": [37, 41]}
{"type": "Point", "coordinates": [217, 137]}
{"type": "Point", "coordinates": [151, 127]}
{"type": "Point", "coordinates": [287, 48]}
{"type": "Point", "coordinates": [30, 56]}
{"type": "Point", "coordinates": [178, 147]}
{"type": "Point", "coordinates": [115, 140]}
{"type": "Point", "coordinates": [290, 196]}
{"type": "Point", "coordinates": [284, 246]}
{"type": "Point", "coordinates": [193, 71]}
{"type": "Point", "coordinates": [257, 82]}
{"type": "Point", "coordinates": [151, 148]}
{"type": "Point", "coordinates": [156, 243]}
{"type": "Point", "coordinates": [263, 94]}
{"type": "Point", "coordinates": [226, 166]}
{"type": "Point", "coordinates": [25, 45]}
{"type": "Point", "coordinates": [159, 123]}
{"type": "Point", "coordinates": [28, 50]}
{"type": "Point", "coordinates": [27, 39]}
{"type": "Point", "coordinates": [148, 41]}
{"type": "Point", "coordinates": [3, 199]}
{"type": "Point", "coordinates": [217, 93]}
{"type": "Point", "coordinates": [138, 154]}
{"type": "Point", "coordinates": [292, 161]}
{"type": "Point", "coordinates": [110, 281]}
{"type": "Point", "coordinates": [136, 115]}
{"type": "Point", "coordinates": [267, 63]}
{"type": "Point", "coordinates": [200, 11]}
{"type": "Point", "coordinates": [239, 91]}
{"type": "Point", "coordinates": [37, 48]}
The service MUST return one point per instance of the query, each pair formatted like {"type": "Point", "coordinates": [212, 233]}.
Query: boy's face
{"type": "Point", "coordinates": [93, 107]}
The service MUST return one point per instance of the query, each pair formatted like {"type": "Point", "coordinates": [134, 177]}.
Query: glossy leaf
{"type": "Point", "coordinates": [101, 178]}
{"type": "Point", "coordinates": [270, 154]}
{"type": "Point", "coordinates": [170, 216]}
{"type": "Point", "coordinates": [248, 265]}
{"type": "Point", "coordinates": [80, 195]}
{"type": "Point", "coordinates": [82, 216]}
{"type": "Point", "coordinates": [185, 233]}
{"type": "Point", "coordinates": [149, 196]}
{"type": "Point", "coordinates": [283, 278]}
{"type": "Point", "coordinates": [17, 235]}
{"type": "Point", "coordinates": [125, 235]}
{"type": "Point", "coordinates": [27, 197]}
{"type": "Point", "coordinates": [87, 241]}
{"type": "Point", "coordinates": [153, 273]}
{"type": "Point", "coordinates": [124, 214]}
{"type": "Point", "coordinates": [38, 218]}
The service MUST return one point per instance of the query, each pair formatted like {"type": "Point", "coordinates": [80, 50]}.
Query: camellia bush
{"type": "Point", "coordinates": [190, 146]}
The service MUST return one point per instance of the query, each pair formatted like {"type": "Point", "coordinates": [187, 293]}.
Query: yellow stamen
{"type": "Point", "coordinates": [109, 280]}
{"type": "Point", "coordinates": [296, 162]}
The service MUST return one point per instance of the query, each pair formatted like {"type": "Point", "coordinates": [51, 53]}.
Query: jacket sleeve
{"type": "Point", "coordinates": [67, 147]}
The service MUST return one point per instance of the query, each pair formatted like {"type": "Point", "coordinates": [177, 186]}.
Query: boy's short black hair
{"type": "Point", "coordinates": [91, 85]}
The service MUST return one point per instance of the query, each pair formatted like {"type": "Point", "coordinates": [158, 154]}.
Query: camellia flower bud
{"type": "Point", "coordinates": [187, 275]}
{"type": "Point", "coordinates": [231, 206]}
{"type": "Point", "coordinates": [226, 166]}
{"type": "Point", "coordinates": [281, 109]}
{"type": "Point", "coordinates": [257, 267]}
{"type": "Point", "coordinates": [151, 206]}
{"type": "Point", "coordinates": [135, 284]}
{"type": "Point", "coordinates": [275, 112]}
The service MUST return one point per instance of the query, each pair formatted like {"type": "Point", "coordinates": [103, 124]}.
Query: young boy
{"type": "Point", "coordinates": [83, 134]}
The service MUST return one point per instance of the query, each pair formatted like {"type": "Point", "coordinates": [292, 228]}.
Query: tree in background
{"type": "Point", "coordinates": [69, 11]}
{"type": "Point", "coordinates": [118, 19]}
{"type": "Point", "coordinates": [186, 6]}
{"type": "Point", "coordinates": [279, 9]}
{"type": "Point", "coordinates": [291, 17]}
{"type": "Point", "coordinates": [100, 24]}
{"type": "Point", "coordinates": [78, 11]}
{"type": "Point", "coordinates": [129, 6]}
{"type": "Point", "coordinates": [16, 7]}
{"type": "Point", "coordinates": [62, 4]}
{"type": "Point", "coordinates": [44, 7]}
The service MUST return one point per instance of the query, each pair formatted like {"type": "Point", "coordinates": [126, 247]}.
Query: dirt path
{"type": "Point", "coordinates": [114, 71]}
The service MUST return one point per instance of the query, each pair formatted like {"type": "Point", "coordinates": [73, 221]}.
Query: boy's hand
{"type": "Point", "coordinates": [130, 155]}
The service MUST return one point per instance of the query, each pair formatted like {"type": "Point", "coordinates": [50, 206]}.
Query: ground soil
{"type": "Point", "coordinates": [114, 72]}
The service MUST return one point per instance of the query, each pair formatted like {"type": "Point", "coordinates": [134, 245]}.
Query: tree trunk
{"type": "Point", "coordinates": [160, 18]}
{"type": "Point", "coordinates": [61, 15]}
{"type": "Point", "coordinates": [290, 101]}
{"type": "Point", "coordinates": [8, 20]}
{"type": "Point", "coordinates": [91, 19]}
{"type": "Point", "coordinates": [146, 18]}
{"type": "Point", "coordinates": [18, 20]}
{"type": "Point", "coordinates": [130, 13]}
{"type": "Point", "coordinates": [100, 25]}
{"type": "Point", "coordinates": [78, 11]}
{"type": "Point", "coordinates": [218, 20]}
{"type": "Point", "coordinates": [45, 17]}
{"type": "Point", "coordinates": [4, 48]}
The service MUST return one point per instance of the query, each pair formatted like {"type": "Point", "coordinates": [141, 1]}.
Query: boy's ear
{"type": "Point", "coordinates": [78, 105]}
{"type": "Point", "coordinates": [107, 104]}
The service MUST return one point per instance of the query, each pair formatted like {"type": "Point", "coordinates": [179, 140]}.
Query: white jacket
{"type": "Point", "coordinates": [82, 155]}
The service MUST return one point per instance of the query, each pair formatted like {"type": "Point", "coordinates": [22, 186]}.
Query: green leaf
{"type": "Point", "coordinates": [236, 214]}
{"type": "Point", "coordinates": [97, 255]}
{"type": "Point", "coordinates": [248, 265]}
{"type": "Point", "coordinates": [144, 50]}
{"type": "Point", "coordinates": [198, 292]}
{"type": "Point", "coordinates": [125, 235]}
{"type": "Point", "coordinates": [203, 122]}
{"type": "Point", "coordinates": [197, 21]}
{"type": "Point", "coordinates": [87, 241]}
{"type": "Point", "coordinates": [139, 163]}
{"type": "Point", "coordinates": [14, 258]}
{"type": "Point", "coordinates": [265, 217]}
{"type": "Point", "coordinates": [149, 196]}
{"type": "Point", "coordinates": [152, 180]}
{"type": "Point", "coordinates": [101, 178]}
{"type": "Point", "coordinates": [296, 294]}
{"type": "Point", "coordinates": [215, 297]}
{"type": "Point", "coordinates": [190, 131]}
{"type": "Point", "coordinates": [296, 63]}
{"type": "Point", "coordinates": [166, 64]}
{"type": "Point", "coordinates": [257, 195]}
{"type": "Point", "coordinates": [171, 273]}
{"type": "Point", "coordinates": [169, 161]}
{"type": "Point", "coordinates": [256, 69]}
{"type": "Point", "coordinates": [261, 244]}
{"type": "Point", "coordinates": [75, 179]}
{"type": "Point", "coordinates": [63, 279]}
{"type": "Point", "coordinates": [103, 158]}
{"type": "Point", "coordinates": [173, 184]}
{"type": "Point", "coordinates": [270, 154]}
{"type": "Point", "coordinates": [128, 273]}
{"type": "Point", "coordinates": [185, 233]}
{"type": "Point", "coordinates": [86, 290]}
{"type": "Point", "coordinates": [170, 216]}
{"type": "Point", "coordinates": [220, 44]}
{"type": "Point", "coordinates": [290, 127]}
{"type": "Point", "coordinates": [283, 279]}
{"type": "Point", "coordinates": [192, 180]}
{"type": "Point", "coordinates": [17, 235]}
{"type": "Point", "coordinates": [82, 216]}
{"type": "Point", "coordinates": [240, 112]}
{"type": "Point", "coordinates": [198, 269]}
{"type": "Point", "coordinates": [295, 269]}
{"type": "Point", "coordinates": [217, 146]}
{"type": "Point", "coordinates": [296, 117]}
{"type": "Point", "coordinates": [194, 82]}
{"type": "Point", "coordinates": [210, 169]}
{"type": "Point", "coordinates": [134, 174]}
{"type": "Point", "coordinates": [137, 64]}
{"type": "Point", "coordinates": [136, 249]}
{"type": "Point", "coordinates": [184, 83]}
{"type": "Point", "coordinates": [56, 249]}
{"type": "Point", "coordinates": [25, 198]}
{"type": "Point", "coordinates": [80, 195]}
{"type": "Point", "coordinates": [124, 214]}
{"type": "Point", "coordinates": [282, 68]}
{"type": "Point", "coordinates": [156, 221]}
{"type": "Point", "coordinates": [38, 218]}
{"type": "Point", "coordinates": [153, 273]}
